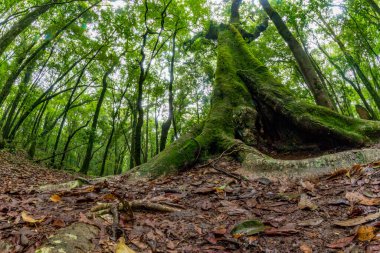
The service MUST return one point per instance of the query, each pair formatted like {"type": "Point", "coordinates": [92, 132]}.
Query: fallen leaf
{"type": "Point", "coordinates": [219, 230]}
{"type": "Point", "coordinates": [59, 223]}
{"type": "Point", "coordinates": [285, 230]}
{"type": "Point", "coordinates": [121, 247]}
{"type": "Point", "coordinates": [310, 222]}
{"type": "Point", "coordinates": [306, 203]}
{"type": "Point", "coordinates": [373, 248]}
{"type": "Point", "coordinates": [307, 185]}
{"type": "Point", "coordinates": [361, 199]}
{"type": "Point", "coordinates": [337, 173]}
{"type": "Point", "coordinates": [55, 198]}
{"type": "Point", "coordinates": [366, 233]}
{"type": "Point", "coordinates": [358, 220]}
{"type": "Point", "coordinates": [30, 219]}
{"type": "Point", "coordinates": [109, 196]}
{"type": "Point", "coordinates": [341, 242]}
{"type": "Point", "coordinates": [90, 188]}
{"type": "Point", "coordinates": [306, 248]}
{"type": "Point", "coordinates": [204, 190]}
{"type": "Point", "coordinates": [249, 227]}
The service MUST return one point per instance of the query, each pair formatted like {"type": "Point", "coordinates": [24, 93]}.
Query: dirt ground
{"type": "Point", "coordinates": [338, 212]}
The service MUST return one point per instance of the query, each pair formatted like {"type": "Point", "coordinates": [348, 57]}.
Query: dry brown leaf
{"type": "Point", "coordinates": [307, 185]}
{"type": "Point", "coordinates": [121, 247]}
{"type": "Point", "coordinates": [90, 188]}
{"type": "Point", "coordinates": [55, 198]}
{"type": "Point", "coordinates": [310, 222]}
{"type": "Point", "coordinates": [366, 233]}
{"type": "Point", "coordinates": [361, 199]}
{"type": "Point", "coordinates": [356, 169]}
{"type": "Point", "coordinates": [306, 203]}
{"type": "Point", "coordinates": [338, 172]}
{"type": "Point", "coordinates": [30, 219]}
{"type": "Point", "coordinates": [305, 248]}
{"type": "Point", "coordinates": [341, 242]}
{"type": "Point", "coordinates": [358, 220]}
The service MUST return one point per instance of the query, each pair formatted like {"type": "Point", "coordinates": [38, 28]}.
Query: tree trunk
{"type": "Point", "coordinates": [6, 89]}
{"type": "Point", "coordinates": [166, 125]}
{"type": "Point", "coordinates": [21, 25]}
{"type": "Point", "coordinates": [33, 134]}
{"type": "Point", "coordinates": [374, 6]}
{"type": "Point", "coordinates": [249, 106]}
{"type": "Point", "coordinates": [68, 106]}
{"type": "Point", "coordinates": [67, 144]}
{"type": "Point", "coordinates": [354, 65]}
{"type": "Point", "coordinates": [88, 156]}
{"type": "Point", "coordinates": [308, 71]}
{"type": "Point", "coordinates": [355, 86]}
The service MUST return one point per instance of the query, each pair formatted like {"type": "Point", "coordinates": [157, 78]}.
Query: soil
{"type": "Point", "coordinates": [212, 199]}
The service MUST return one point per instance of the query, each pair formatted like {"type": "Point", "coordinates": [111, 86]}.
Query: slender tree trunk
{"type": "Point", "coordinates": [147, 133]}
{"type": "Point", "coordinates": [355, 66]}
{"type": "Point", "coordinates": [374, 6]}
{"type": "Point", "coordinates": [106, 150]}
{"type": "Point", "coordinates": [308, 71]}
{"type": "Point", "coordinates": [166, 125]}
{"type": "Point", "coordinates": [68, 106]}
{"type": "Point", "coordinates": [156, 127]}
{"type": "Point", "coordinates": [6, 89]}
{"type": "Point", "coordinates": [21, 90]}
{"type": "Point", "coordinates": [88, 156]}
{"type": "Point", "coordinates": [21, 25]}
{"type": "Point", "coordinates": [33, 135]}
{"type": "Point", "coordinates": [356, 87]}
{"type": "Point", "coordinates": [67, 144]}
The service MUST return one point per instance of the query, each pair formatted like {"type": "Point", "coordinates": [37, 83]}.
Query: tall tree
{"type": "Point", "coordinates": [22, 24]}
{"type": "Point", "coordinates": [91, 138]}
{"type": "Point", "coordinates": [304, 62]}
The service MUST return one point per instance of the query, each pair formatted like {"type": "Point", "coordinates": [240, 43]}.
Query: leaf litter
{"type": "Point", "coordinates": [200, 210]}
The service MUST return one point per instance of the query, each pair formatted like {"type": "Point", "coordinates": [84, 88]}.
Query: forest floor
{"type": "Point", "coordinates": [338, 212]}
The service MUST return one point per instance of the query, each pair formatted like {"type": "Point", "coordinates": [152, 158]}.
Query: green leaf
{"type": "Point", "coordinates": [249, 227]}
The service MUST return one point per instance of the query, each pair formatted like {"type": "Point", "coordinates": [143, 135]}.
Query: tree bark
{"type": "Point", "coordinates": [308, 71]}
{"type": "Point", "coordinates": [88, 156]}
{"type": "Point", "coordinates": [166, 125]}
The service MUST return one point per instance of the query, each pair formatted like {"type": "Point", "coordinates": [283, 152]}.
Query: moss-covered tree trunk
{"type": "Point", "coordinates": [252, 111]}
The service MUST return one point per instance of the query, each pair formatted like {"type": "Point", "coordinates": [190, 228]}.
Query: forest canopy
{"type": "Point", "coordinates": [103, 86]}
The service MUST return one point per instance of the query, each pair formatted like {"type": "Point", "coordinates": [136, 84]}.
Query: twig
{"type": "Point", "coordinates": [233, 175]}
{"type": "Point", "coordinates": [103, 208]}
{"type": "Point", "coordinates": [142, 204]}
{"type": "Point", "coordinates": [115, 223]}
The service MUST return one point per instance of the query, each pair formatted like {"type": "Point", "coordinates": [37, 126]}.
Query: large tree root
{"type": "Point", "coordinates": [310, 166]}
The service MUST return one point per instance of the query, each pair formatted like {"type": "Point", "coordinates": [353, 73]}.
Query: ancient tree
{"type": "Point", "coordinates": [252, 112]}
